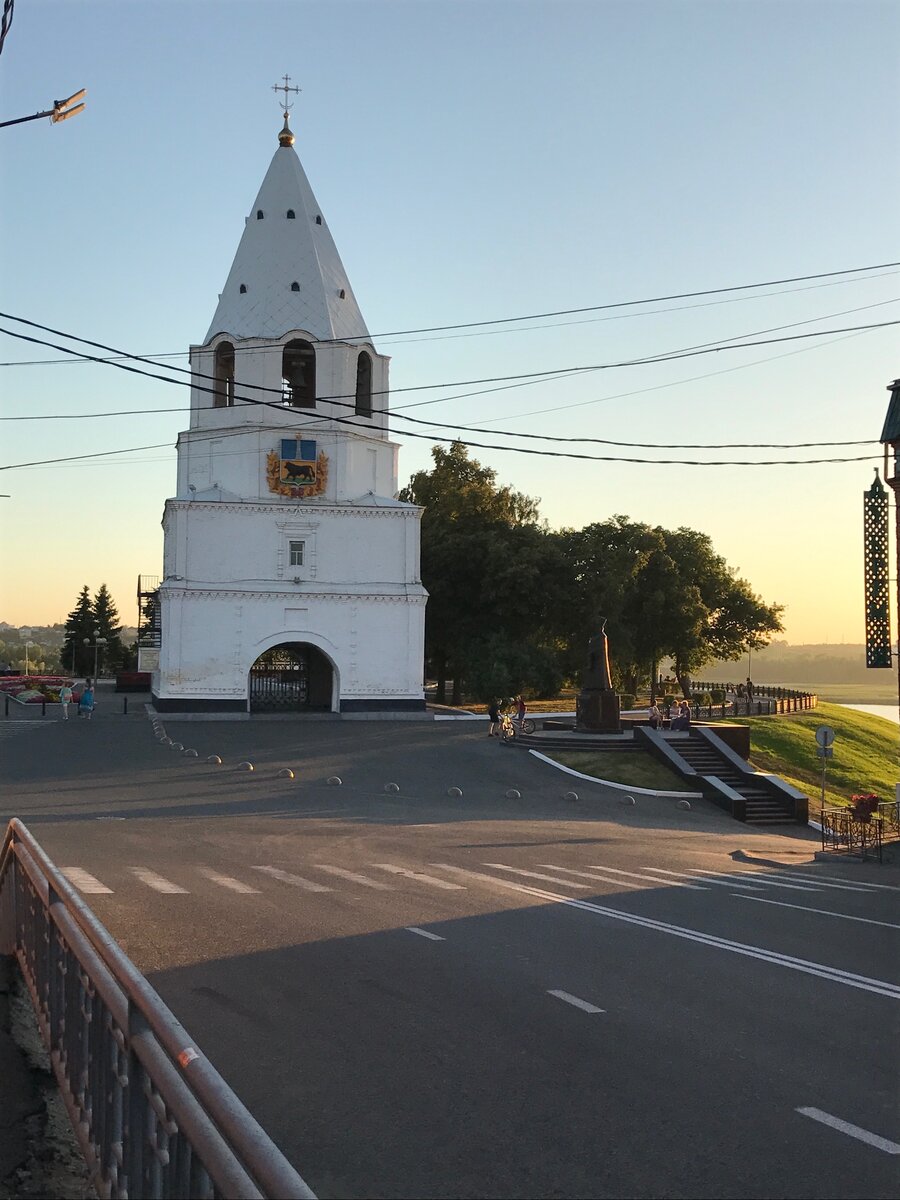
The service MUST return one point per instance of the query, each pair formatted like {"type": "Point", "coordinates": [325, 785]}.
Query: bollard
{"type": "Point", "coordinates": [43, 708]}
{"type": "Point", "coordinates": [6, 698]}
{"type": "Point", "coordinates": [124, 706]}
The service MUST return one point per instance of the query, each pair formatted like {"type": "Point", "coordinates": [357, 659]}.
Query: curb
{"type": "Point", "coordinates": [618, 787]}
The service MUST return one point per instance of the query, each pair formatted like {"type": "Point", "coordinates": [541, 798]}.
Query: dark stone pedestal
{"type": "Point", "coordinates": [597, 712]}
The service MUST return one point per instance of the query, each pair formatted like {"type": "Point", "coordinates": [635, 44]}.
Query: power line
{"type": "Point", "coordinates": [244, 351]}
{"type": "Point", "coordinates": [733, 343]}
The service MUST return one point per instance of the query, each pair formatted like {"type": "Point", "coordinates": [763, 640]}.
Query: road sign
{"type": "Point", "coordinates": [825, 735]}
{"type": "Point", "coordinates": [825, 751]}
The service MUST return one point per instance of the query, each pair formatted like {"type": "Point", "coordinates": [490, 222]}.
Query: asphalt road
{"type": "Point", "coordinates": [426, 995]}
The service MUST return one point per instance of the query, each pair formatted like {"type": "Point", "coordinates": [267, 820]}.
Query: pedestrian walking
{"type": "Point", "coordinates": [65, 699]}
{"type": "Point", "coordinates": [494, 718]}
{"type": "Point", "coordinates": [86, 703]}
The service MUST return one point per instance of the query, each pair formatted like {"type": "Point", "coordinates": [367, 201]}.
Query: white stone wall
{"type": "Point", "coordinates": [230, 593]}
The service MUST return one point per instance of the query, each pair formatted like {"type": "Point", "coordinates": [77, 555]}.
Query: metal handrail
{"type": "Point", "coordinates": [153, 1116]}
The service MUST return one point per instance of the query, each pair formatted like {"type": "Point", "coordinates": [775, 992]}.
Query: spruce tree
{"type": "Point", "coordinates": [76, 657]}
{"type": "Point", "coordinates": [106, 619]}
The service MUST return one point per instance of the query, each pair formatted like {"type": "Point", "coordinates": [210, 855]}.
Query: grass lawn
{"type": "Point", "coordinates": [637, 770]}
{"type": "Point", "coordinates": [865, 752]}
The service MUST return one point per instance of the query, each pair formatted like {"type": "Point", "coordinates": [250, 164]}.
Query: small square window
{"type": "Point", "coordinates": [296, 549]}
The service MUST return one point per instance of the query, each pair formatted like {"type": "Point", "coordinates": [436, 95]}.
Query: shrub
{"type": "Point", "coordinates": [626, 701]}
{"type": "Point", "coordinates": [668, 701]}
{"type": "Point", "coordinates": [718, 696]}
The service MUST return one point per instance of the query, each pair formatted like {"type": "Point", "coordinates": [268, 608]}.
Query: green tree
{"type": "Point", "coordinates": [106, 619]}
{"type": "Point", "coordinates": [493, 574]}
{"type": "Point", "coordinates": [80, 625]}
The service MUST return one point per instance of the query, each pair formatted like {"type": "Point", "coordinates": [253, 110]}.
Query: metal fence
{"type": "Point", "coordinates": [152, 1115]}
{"type": "Point", "coordinates": [843, 833]}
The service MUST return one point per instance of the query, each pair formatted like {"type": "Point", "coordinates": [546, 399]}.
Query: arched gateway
{"type": "Point", "coordinates": [292, 677]}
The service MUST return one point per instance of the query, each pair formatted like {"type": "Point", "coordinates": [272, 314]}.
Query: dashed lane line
{"type": "Point", "coordinates": [854, 1131]}
{"type": "Point", "coordinates": [226, 881]}
{"type": "Point", "coordinates": [85, 882]}
{"type": "Point", "coordinates": [833, 974]}
{"type": "Point", "coordinates": [574, 1000]}
{"type": "Point", "coordinates": [363, 879]}
{"type": "Point", "coordinates": [425, 933]}
{"type": "Point", "coordinates": [825, 912]}
{"type": "Point", "coordinates": [419, 877]}
{"type": "Point", "coordinates": [294, 880]}
{"type": "Point", "coordinates": [157, 882]}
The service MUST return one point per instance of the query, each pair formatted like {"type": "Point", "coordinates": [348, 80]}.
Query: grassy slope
{"type": "Point", "coordinates": [865, 752]}
{"type": "Point", "coordinates": [636, 770]}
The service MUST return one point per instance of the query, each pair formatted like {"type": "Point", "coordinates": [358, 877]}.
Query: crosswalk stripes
{"type": "Point", "coordinates": [694, 887]}
{"type": "Point", "coordinates": [440, 883]}
{"type": "Point", "coordinates": [227, 881]}
{"type": "Point", "coordinates": [295, 880]}
{"type": "Point", "coordinates": [85, 882]}
{"type": "Point", "coordinates": [157, 883]}
{"type": "Point", "coordinates": [409, 878]}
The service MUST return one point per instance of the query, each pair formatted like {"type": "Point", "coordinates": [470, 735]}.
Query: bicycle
{"type": "Point", "coordinates": [526, 726]}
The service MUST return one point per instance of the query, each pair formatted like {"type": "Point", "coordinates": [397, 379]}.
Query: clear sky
{"type": "Point", "coordinates": [474, 160]}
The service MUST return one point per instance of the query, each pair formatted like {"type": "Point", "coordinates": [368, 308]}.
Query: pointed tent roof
{"type": "Point", "coordinates": [276, 252]}
{"type": "Point", "coordinates": [891, 431]}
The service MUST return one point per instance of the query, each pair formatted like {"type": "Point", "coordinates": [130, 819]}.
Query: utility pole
{"type": "Point", "coordinates": [61, 111]}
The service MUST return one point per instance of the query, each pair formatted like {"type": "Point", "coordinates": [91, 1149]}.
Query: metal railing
{"type": "Point", "coordinates": [152, 1115]}
{"type": "Point", "coordinates": [844, 833]}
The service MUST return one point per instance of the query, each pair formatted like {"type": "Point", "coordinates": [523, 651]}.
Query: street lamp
{"type": "Point", "coordinates": [28, 646]}
{"type": "Point", "coordinates": [98, 642]}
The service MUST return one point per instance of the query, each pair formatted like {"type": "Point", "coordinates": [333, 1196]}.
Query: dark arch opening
{"type": "Point", "coordinates": [290, 214]}
{"type": "Point", "coordinates": [295, 286]}
{"type": "Point", "coordinates": [298, 374]}
{"type": "Point", "coordinates": [292, 677]}
{"type": "Point", "coordinates": [364, 385]}
{"type": "Point", "coordinates": [224, 372]}
{"type": "Point", "coordinates": [242, 288]}
{"type": "Point", "coordinates": [259, 214]}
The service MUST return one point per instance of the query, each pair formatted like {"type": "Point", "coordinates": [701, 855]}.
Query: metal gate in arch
{"type": "Point", "coordinates": [279, 680]}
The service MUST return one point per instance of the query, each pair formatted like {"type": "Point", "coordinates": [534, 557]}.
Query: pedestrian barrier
{"type": "Point", "coordinates": [843, 832]}
{"type": "Point", "coordinates": [152, 1115]}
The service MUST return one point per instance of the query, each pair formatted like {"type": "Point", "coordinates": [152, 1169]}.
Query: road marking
{"type": "Point", "coordinates": [879, 986]}
{"type": "Point", "coordinates": [419, 877]}
{"type": "Point", "coordinates": [157, 882]}
{"type": "Point", "coordinates": [824, 911]}
{"type": "Point", "coordinates": [434, 937]}
{"type": "Point", "coordinates": [570, 999]}
{"type": "Point", "coordinates": [694, 887]}
{"type": "Point", "coordinates": [593, 875]}
{"type": "Point", "coordinates": [86, 882]}
{"type": "Point", "coordinates": [294, 880]}
{"type": "Point", "coordinates": [364, 880]}
{"type": "Point", "coordinates": [226, 881]}
{"type": "Point", "coordinates": [817, 883]}
{"type": "Point", "coordinates": [718, 882]}
{"type": "Point", "coordinates": [760, 878]}
{"type": "Point", "coordinates": [854, 1131]}
{"type": "Point", "coordinates": [536, 875]}
{"type": "Point", "coordinates": [885, 887]}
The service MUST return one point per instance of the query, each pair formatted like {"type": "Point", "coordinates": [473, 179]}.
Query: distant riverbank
{"type": "Point", "coordinates": [880, 691]}
{"type": "Point", "coordinates": [888, 711]}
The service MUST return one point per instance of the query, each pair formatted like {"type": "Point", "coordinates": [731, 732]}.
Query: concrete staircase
{"type": "Point", "coordinates": [762, 803]}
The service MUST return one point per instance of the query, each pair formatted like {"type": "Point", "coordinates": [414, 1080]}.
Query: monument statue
{"type": "Point", "coordinates": [597, 706]}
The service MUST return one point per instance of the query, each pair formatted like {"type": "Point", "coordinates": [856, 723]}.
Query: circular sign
{"type": "Point", "coordinates": [824, 735]}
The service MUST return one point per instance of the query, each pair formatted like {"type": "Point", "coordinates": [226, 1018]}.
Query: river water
{"type": "Point", "coordinates": [888, 711]}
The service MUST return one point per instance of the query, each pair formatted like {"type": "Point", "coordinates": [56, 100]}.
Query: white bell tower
{"type": "Point", "coordinates": [291, 571]}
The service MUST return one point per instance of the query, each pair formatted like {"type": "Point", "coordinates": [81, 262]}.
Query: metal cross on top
{"type": "Point", "coordinates": [284, 87]}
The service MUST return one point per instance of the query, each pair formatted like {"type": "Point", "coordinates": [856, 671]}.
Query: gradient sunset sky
{"type": "Point", "coordinates": [474, 160]}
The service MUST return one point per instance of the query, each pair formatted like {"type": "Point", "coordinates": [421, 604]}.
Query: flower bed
{"type": "Point", "coordinates": [33, 689]}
